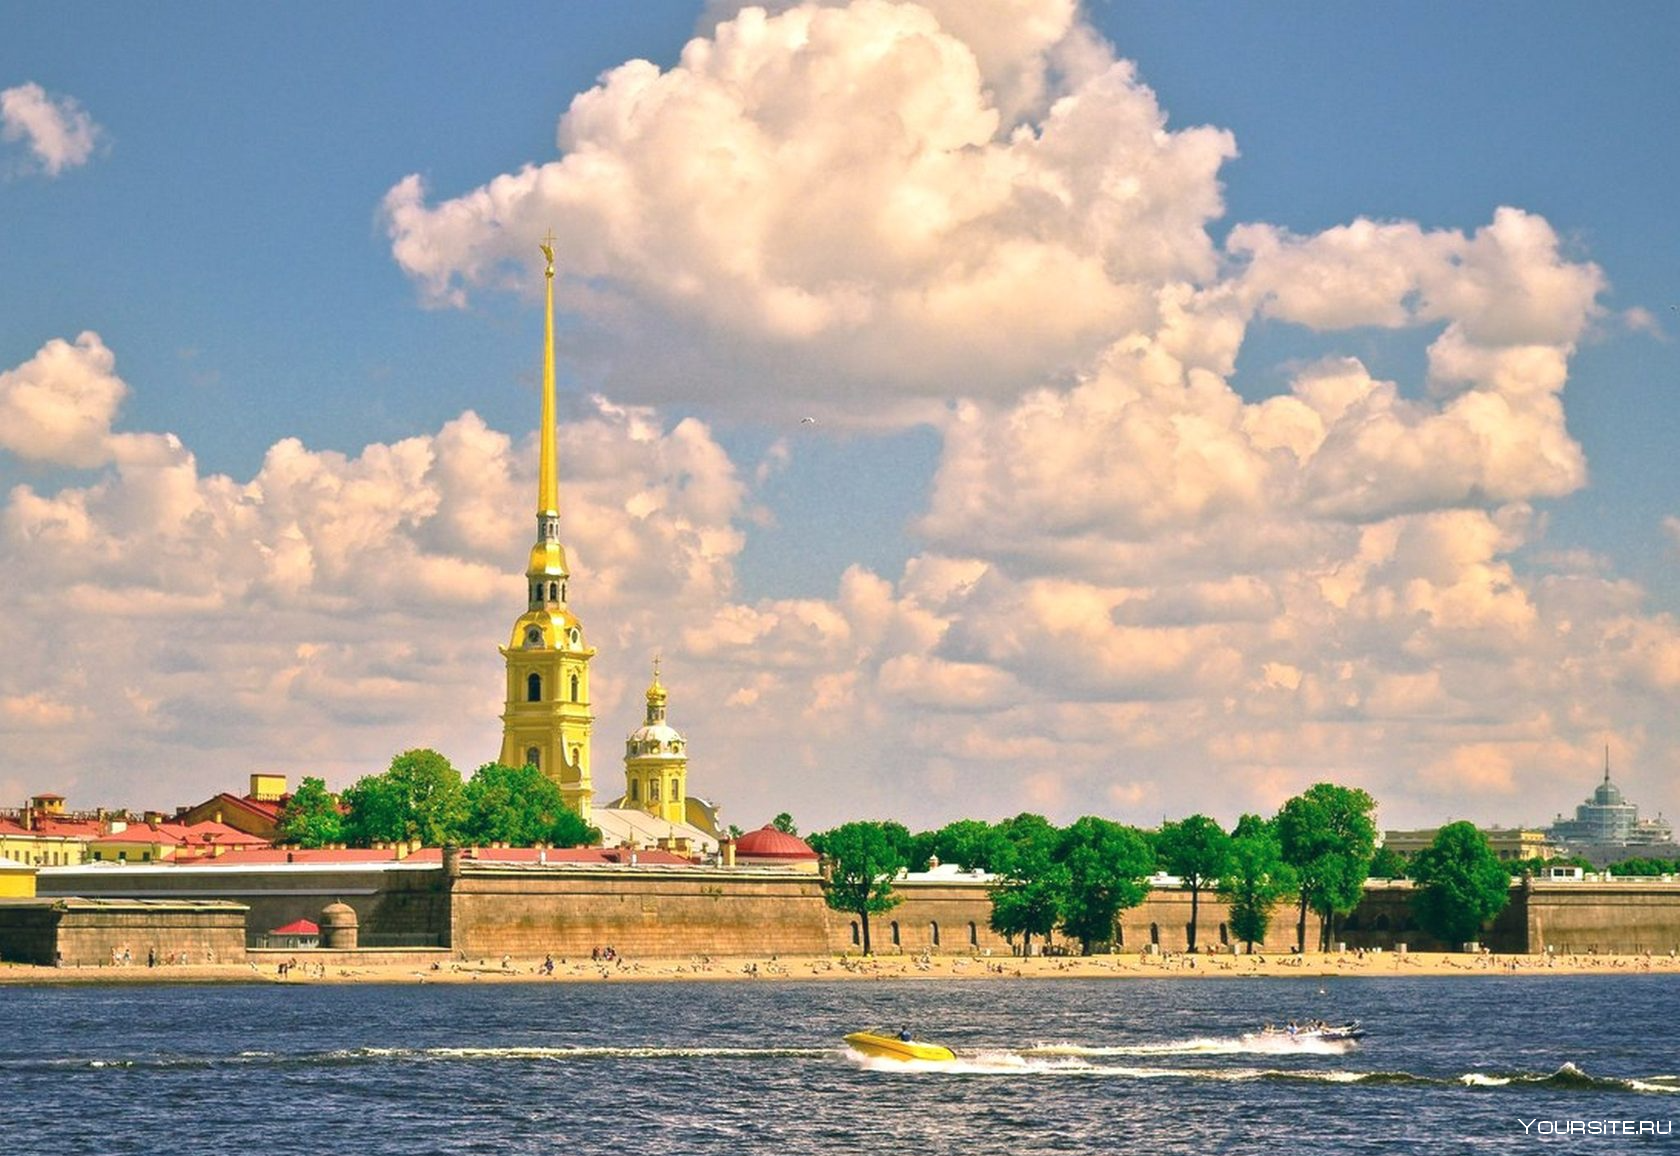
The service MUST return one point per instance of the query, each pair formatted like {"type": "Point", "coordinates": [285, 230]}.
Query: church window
{"type": "Point", "coordinates": [673, 794]}
{"type": "Point", "coordinates": [562, 591]}
{"type": "Point", "coordinates": [933, 932]}
{"type": "Point", "coordinates": [653, 790]}
{"type": "Point", "coordinates": [553, 591]}
{"type": "Point", "coordinates": [574, 688]}
{"type": "Point", "coordinates": [895, 933]}
{"type": "Point", "coordinates": [973, 934]}
{"type": "Point", "coordinates": [533, 758]}
{"type": "Point", "coordinates": [533, 688]}
{"type": "Point", "coordinates": [635, 791]}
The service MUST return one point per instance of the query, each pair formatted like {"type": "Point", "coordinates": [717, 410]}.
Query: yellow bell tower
{"type": "Point", "coordinates": [546, 722]}
{"type": "Point", "coordinates": [656, 762]}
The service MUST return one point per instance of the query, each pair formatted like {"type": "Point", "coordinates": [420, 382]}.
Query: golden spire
{"type": "Point", "coordinates": [548, 481]}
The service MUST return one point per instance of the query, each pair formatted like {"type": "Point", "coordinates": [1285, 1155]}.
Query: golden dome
{"type": "Point", "coordinates": [548, 559]}
{"type": "Point", "coordinates": [554, 629]}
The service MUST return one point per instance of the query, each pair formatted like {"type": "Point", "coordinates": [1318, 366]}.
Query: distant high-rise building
{"type": "Point", "coordinates": [1607, 827]}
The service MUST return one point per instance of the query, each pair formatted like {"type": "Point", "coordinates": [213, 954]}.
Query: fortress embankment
{"type": "Point", "coordinates": [482, 908]}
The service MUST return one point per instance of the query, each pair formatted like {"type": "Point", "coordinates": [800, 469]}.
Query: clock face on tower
{"type": "Point", "coordinates": [533, 635]}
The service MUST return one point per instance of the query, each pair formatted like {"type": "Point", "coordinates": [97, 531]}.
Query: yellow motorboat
{"type": "Point", "coordinates": [897, 1047]}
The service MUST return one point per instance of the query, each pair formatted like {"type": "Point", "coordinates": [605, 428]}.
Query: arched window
{"type": "Point", "coordinates": [895, 932]}
{"type": "Point", "coordinates": [973, 934]}
{"type": "Point", "coordinates": [933, 931]}
{"type": "Point", "coordinates": [635, 791]}
{"type": "Point", "coordinates": [554, 591]}
{"type": "Point", "coordinates": [857, 935]}
{"type": "Point", "coordinates": [1155, 934]}
{"type": "Point", "coordinates": [533, 757]}
{"type": "Point", "coordinates": [533, 688]}
{"type": "Point", "coordinates": [671, 791]}
{"type": "Point", "coordinates": [562, 591]}
{"type": "Point", "coordinates": [653, 790]}
{"type": "Point", "coordinates": [574, 688]}
{"type": "Point", "coordinates": [1382, 922]}
{"type": "Point", "coordinates": [1224, 936]}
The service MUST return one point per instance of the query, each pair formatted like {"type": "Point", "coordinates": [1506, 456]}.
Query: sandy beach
{"type": "Point", "coordinates": [773, 969]}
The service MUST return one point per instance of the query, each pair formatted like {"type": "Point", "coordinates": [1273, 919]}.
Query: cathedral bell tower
{"type": "Point", "coordinates": [656, 762]}
{"type": "Point", "coordinates": [546, 722]}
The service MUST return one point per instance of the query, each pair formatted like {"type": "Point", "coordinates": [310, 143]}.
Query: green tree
{"type": "Point", "coordinates": [783, 822]}
{"type": "Point", "coordinates": [1327, 836]}
{"type": "Point", "coordinates": [1198, 851]}
{"type": "Point", "coordinates": [863, 859]}
{"type": "Point", "coordinates": [1387, 863]}
{"type": "Point", "coordinates": [1644, 868]}
{"type": "Point", "coordinates": [1027, 900]}
{"type": "Point", "coordinates": [520, 806]}
{"type": "Point", "coordinates": [974, 845]}
{"type": "Point", "coordinates": [419, 797]}
{"type": "Point", "coordinates": [1460, 884]}
{"type": "Point", "coordinates": [1108, 869]}
{"type": "Point", "coordinates": [310, 818]}
{"type": "Point", "coordinates": [1256, 879]}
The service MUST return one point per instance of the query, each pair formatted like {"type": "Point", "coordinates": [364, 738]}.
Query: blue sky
{"type": "Point", "coordinates": [231, 239]}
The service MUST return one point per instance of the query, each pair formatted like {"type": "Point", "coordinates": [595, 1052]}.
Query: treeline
{"type": "Point", "coordinates": [1315, 853]}
{"type": "Point", "coordinates": [423, 798]}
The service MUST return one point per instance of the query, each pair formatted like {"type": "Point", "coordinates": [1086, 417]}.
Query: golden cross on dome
{"type": "Point", "coordinates": [656, 668]}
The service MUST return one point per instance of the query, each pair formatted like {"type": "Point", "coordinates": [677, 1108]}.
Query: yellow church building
{"type": "Point", "coordinates": [546, 719]}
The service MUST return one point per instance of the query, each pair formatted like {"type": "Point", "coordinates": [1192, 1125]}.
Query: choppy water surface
{"type": "Point", "coordinates": [1149, 1066]}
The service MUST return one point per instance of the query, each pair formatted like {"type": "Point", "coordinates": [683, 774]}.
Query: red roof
{"type": "Point", "coordinates": [66, 828]}
{"type": "Point", "coordinates": [300, 927]}
{"type": "Point", "coordinates": [194, 836]}
{"type": "Point", "coordinates": [769, 843]}
{"type": "Point", "coordinates": [264, 855]}
{"type": "Point", "coordinates": [650, 856]}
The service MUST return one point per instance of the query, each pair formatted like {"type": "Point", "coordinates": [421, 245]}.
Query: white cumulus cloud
{"type": "Point", "coordinates": [59, 133]}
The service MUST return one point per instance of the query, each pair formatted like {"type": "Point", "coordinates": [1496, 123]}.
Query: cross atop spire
{"type": "Point", "coordinates": [547, 247]}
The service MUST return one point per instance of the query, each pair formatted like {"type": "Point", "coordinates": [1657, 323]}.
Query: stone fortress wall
{"type": "Point", "coordinates": [489, 910]}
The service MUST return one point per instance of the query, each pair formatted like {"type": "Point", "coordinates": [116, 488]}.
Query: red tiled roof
{"type": "Point", "coordinates": [265, 855]}
{"type": "Point", "coordinates": [769, 843]}
{"type": "Point", "coordinates": [195, 835]}
{"type": "Point", "coordinates": [299, 927]}
{"type": "Point", "coordinates": [652, 856]}
{"type": "Point", "coordinates": [67, 828]}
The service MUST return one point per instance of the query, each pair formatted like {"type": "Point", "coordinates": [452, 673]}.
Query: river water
{"type": "Point", "coordinates": [1053, 1066]}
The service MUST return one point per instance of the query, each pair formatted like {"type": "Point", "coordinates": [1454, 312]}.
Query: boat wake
{"type": "Point", "coordinates": [1249, 1044]}
{"type": "Point", "coordinates": [1049, 1062]}
{"type": "Point", "coordinates": [1086, 1063]}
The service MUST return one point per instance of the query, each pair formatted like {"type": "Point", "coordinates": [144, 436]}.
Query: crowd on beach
{"type": "Point", "coordinates": [611, 964]}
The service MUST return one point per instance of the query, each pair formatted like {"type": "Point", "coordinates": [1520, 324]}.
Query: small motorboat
{"type": "Point", "coordinates": [899, 1047]}
{"type": "Point", "coordinates": [1315, 1030]}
